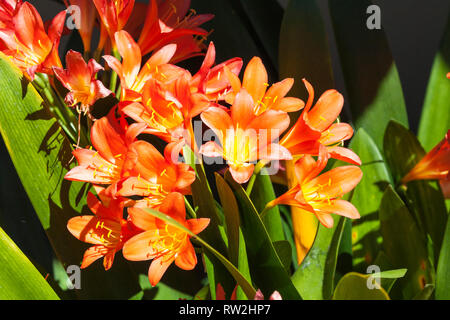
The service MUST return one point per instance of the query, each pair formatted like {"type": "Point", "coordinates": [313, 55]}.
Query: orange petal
{"type": "Point", "coordinates": [138, 248]}
{"type": "Point", "coordinates": [242, 109]}
{"type": "Point", "coordinates": [173, 206]}
{"type": "Point", "coordinates": [326, 110]}
{"type": "Point", "coordinates": [337, 132]}
{"type": "Point", "coordinates": [338, 181]}
{"type": "Point", "coordinates": [197, 225]}
{"type": "Point", "coordinates": [142, 219]}
{"type": "Point", "coordinates": [211, 149]}
{"type": "Point", "coordinates": [157, 269]}
{"type": "Point", "coordinates": [289, 104]}
{"type": "Point", "coordinates": [131, 57]}
{"type": "Point", "coordinates": [93, 254]}
{"type": "Point", "coordinates": [218, 120]}
{"type": "Point", "coordinates": [325, 219]}
{"type": "Point", "coordinates": [340, 207]}
{"type": "Point", "coordinates": [186, 260]}
{"type": "Point", "coordinates": [344, 154]}
{"type": "Point", "coordinates": [255, 79]}
{"type": "Point", "coordinates": [241, 174]}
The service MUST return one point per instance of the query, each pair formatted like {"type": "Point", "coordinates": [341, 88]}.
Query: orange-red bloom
{"type": "Point", "coordinates": [112, 160]}
{"type": "Point", "coordinates": [8, 9]}
{"type": "Point", "coordinates": [162, 242]}
{"type": "Point", "coordinates": [435, 165]}
{"type": "Point", "coordinates": [114, 14]}
{"type": "Point", "coordinates": [79, 79]}
{"type": "Point", "coordinates": [132, 77]}
{"type": "Point", "coordinates": [31, 48]}
{"type": "Point", "coordinates": [319, 194]}
{"type": "Point", "coordinates": [155, 176]}
{"type": "Point", "coordinates": [166, 22]}
{"type": "Point", "coordinates": [316, 127]}
{"type": "Point", "coordinates": [255, 82]}
{"type": "Point", "coordinates": [245, 136]}
{"type": "Point", "coordinates": [107, 229]}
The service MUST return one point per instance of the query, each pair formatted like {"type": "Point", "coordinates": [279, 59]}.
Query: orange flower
{"type": "Point", "coordinates": [107, 230]}
{"type": "Point", "coordinates": [112, 160]}
{"type": "Point", "coordinates": [155, 176]}
{"type": "Point", "coordinates": [245, 136]}
{"type": "Point", "coordinates": [168, 109]}
{"type": "Point", "coordinates": [79, 79]}
{"type": "Point", "coordinates": [88, 15]}
{"type": "Point", "coordinates": [319, 194]}
{"type": "Point", "coordinates": [31, 48]}
{"type": "Point", "coordinates": [213, 81]}
{"type": "Point", "coordinates": [114, 14]}
{"type": "Point", "coordinates": [8, 9]}
{"type": "Point", "coordinates": [316, 127]}
{"type": "Point", "coordinates": [255, 82]}
{"type": "Point", "coordinates": [132, 77]}
{"type": "Point", "coordinates": [435, 165]}
{"type": "Point", "coordinates": [166, 23]}
{"type": "Point", "coordinates": [162, 242]}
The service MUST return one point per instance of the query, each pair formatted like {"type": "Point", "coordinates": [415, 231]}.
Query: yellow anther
{"type": "Point", "coordinates": [118, 155]}
{"type": "Point", "coordinates": [322, 118]}
{"type": "Point", "coordinates": [275, 99]}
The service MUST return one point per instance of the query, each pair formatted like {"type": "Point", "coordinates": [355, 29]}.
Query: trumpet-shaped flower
{"type": "Point", "coordinates": [162, 242]}
{"type": "Point", "coordinates": [156, 176]}
{"type": "Point", "coordinates": [106, 230]}
{"type": "Point", "coordinates": [320, 194]}
{"type": "Point", "coordinates": [87, 21]}
{"type": "Point", "coordinates": [213, 81]}
{"type": "Point", "coordinates": [168, 109]}
{"type": "Point", "coordinates": [245, 136]}
{"type": "Point", "coordinates": [435, 165]}
{"type": "Point", "coordinates": [316, 127]}
{"type": "Point", "coordinates": [31, 48]}
{"type": "Point", "coordinates": [255, 82]}
{"type": "Point", "coordinates": [132, 77]}
{"type": "Point", "coordinates": [169, 22]}
{"type": "Point", "coordinates": [114, 14]}
{"type": "Point", "coordinates": [79, 79]}
{"type": "Point", "coordinates": [111, 160]}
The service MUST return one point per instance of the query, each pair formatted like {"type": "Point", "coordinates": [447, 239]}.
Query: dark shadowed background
{"type": "Point", "coordinates": [413, 27]}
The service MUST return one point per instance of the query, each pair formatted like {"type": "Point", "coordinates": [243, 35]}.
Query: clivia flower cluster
{"type": "Point", "coordinates": [156, 97]}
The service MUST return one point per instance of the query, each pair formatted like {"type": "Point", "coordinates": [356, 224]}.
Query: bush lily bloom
{"type": "Point", "coordinates": [110, 161]}
{"type": "Point", "coordinates": [106, 230]}
{"type": "Point", "coordinates": [168, 22]}
{"type": "Point", "coordinates": [319, 194]}
{"type": "Point", "coordinates": [162, 242]}
{"type": "Point", "coordinates": [245, 136]}
{"type": "Point", "coordinates": [33, 49]}
{"type": "Point", "coordinates": [435, 165]}
{"type": "Point", "coordinates": [114, 15]}
{"type": "Point", "coordinates": [255, 82]}
{"type": "Point", "coordinates": [316, 127]}
{"type": "Point", "coordinates": [132, 77]}
{"type": "Point", "coordinates": [156, 176]}
{"type": "Point", "coordinates": [79, 79]}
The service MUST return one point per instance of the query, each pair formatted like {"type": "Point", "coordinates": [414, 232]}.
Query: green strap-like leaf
{"type": "Point", "coordinates": [435, 119]}
{"type": "Point", "coordinates": [314, 279]}
{"type": "Point", "coordinates": [366, 198]}
{"type": "Point", "coordinates": [371, 77]}
{"type": "Point", "coordinates": [41, 153]}
{"type": "Point", "coordinates": [303, 49]}
{"type": "Point", "coordinates": [19, 279]}
{"type": "Point", "coordinates": [262, 256]}
{"type": "Point", "coordinates": [424, 198]}
{"type": "Point", "coordinates": [404, 245]}
{"type": "Point", "coordinates": [443, 270]}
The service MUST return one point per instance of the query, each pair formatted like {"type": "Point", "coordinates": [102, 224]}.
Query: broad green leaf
{"type": "Point", "coordinates": [382, 262]}
{"type": "Point", "coordinates": [404, 245]}
{"type": "Point", "coordinates": [443, 269]}
{"type": "Point", "coordinates": [424, 198]}
{"type": "Point", "coordinates": [262, 257]}
{"type": "Point", "coordinates": [289, 233]}
{"type": "Point", "coordinates": [241, 280]}
{"type": "Point", "coordinates": [236, 244]}
{"type": "Point", "coordinates": [265, 17]}
{"type": "Point", "coordinates": [161, 291]}
{"type": "Point", "coordinates": [355, 286]}
{"type": "Point", "coordinates": [390, 274]}
{"type": "Point", "coordinates": [262, 193]}
{"type": "Point", "coordinates": [19, 279]}
{"type": "Point", "coordinates": [41, 153]}
{"type": "Point", "coordinates": [284, 251]}
{"type": "Point", "coordinates": [373, 85]}
{"type": "Point", "coordinates": [366, 198]}
{"type": "Point", "coordinates": [303, 49]}
{"type": "Point", "coordinates": [314, 279]}
{"type": "Point", "coordinates": [435, 119]}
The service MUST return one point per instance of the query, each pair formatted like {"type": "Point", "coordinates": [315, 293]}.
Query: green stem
{"type": "Point", "coordinates": [113, 79]}
{"type": "Point", "coordinates": [190, 210]}
{"type": "Point", "coordinates": [257, 170]}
